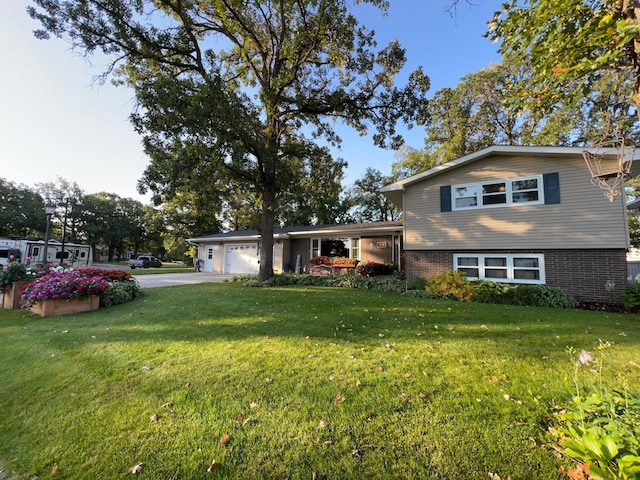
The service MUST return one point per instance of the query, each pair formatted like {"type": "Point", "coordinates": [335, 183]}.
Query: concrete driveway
{"type": "Point", "coordinates": [171, 279]}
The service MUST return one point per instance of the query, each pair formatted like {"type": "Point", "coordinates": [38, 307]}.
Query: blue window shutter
{"type": "Point", "coordinates": [551, 187]}
{"type": "Point", "coordinates": [445, 198]}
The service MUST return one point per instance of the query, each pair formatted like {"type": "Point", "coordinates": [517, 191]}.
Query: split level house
{"type": "Point", "coordinates": [522, 215]}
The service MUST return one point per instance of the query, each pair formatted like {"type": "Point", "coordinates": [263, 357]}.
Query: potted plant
{"type": "Point", "coordinates": [321, 260]}
{"type": "Point", "coordinates": [59, 293]}
{"type": "Point", "coordinates": [343, 262]}
{"type": "Point", "coordinates": [13, 278]}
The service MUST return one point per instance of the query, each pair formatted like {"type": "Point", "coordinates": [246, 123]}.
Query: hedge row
{"type": "Point", "coordinates": [450, 285]}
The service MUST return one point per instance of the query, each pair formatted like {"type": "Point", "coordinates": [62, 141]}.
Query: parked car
{"type": "Point", "coordinates": [144, 261]}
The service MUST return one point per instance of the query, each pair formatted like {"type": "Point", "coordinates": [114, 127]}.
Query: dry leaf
{"type": "Point", "coordinates": [54, 469]}
{"type": "Point", "coordinates": [167, 405]}
{"type": "Point", "coordinates": [153, 418]}
{"type": "Point", "coordinates": [339, 399]}
{"type": "Point", "coordinates": [406, 375]}
{"type": "Point", "coordinates": [136, 468]}
{"type": "Point", "coordinates": [239, 418]}
{"type": "Point", "coordinates": [358, 383]}
{"type": "Point", "coordinates": [225, 439]}
{"type": "Point", "coordinates": [212, 466]}
{"type": "Point", "coordinates": [323, 424]}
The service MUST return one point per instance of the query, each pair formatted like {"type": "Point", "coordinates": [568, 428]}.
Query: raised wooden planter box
{"type": "Point", "coordinates": [11, 295]}
{"type": "Point", "coordinates": [49, 308]}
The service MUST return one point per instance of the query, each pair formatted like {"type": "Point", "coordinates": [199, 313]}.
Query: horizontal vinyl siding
{"type": "Point", "coordinates": [584, 219]}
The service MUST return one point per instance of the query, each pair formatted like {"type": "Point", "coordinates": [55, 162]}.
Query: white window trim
{"type": "Point", "coordinates": [510, 268]}
{"type": "Point", "coordinates": [316, 245]}
{"type": "Point", "coordinates": [509, 193]}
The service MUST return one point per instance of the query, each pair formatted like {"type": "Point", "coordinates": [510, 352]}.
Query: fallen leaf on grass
{"type": "Point", "coordinates": [153, 418]}
{"type": "Point", "coordinates": [136, 468]}
{"type": "Point", "coordinates": [239, 418]}
{"type": "Point", "coordinates": [225, 439]}
{"type": "Point", "coordinates": [339, 399]}
{"type": "Point", "coordinates": [212, 466]}
{"type": "Point", "coordinates": [406, 375]}
{"type": "Point", "coordinates": [167, 405]}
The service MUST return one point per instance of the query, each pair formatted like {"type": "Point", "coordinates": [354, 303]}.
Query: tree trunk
{"type": "Point", "coordinates": [266, 231]}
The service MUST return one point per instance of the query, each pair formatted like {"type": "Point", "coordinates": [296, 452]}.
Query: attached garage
{"type": "Point", "coordinates": [241, 258]}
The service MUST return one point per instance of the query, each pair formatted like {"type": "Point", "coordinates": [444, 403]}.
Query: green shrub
{"type": "Point", "coordinates": [541, 296]}
{"type": "Point", "coordinates": [373, 269]}
{"type": "Point", "coordinates": [120, 292]}
{"type": "Point", "coordinates": [524, 295]}
{"type": "Point", "coordinates": [418, 284]}
{"type": "Point", "coordinates": [485, 291]}
{"type": "Point", "coordinates": [631, 296]}
{"type": "Point", "coordinates": [452, 284]}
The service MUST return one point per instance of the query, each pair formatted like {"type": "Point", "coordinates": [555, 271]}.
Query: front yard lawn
{"type": "Point", "coordinates": [220, 381]}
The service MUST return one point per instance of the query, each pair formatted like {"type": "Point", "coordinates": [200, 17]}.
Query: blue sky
{"type": "Point", "coordinates": [56, 122]}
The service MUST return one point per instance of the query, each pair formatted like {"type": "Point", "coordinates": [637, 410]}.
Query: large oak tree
{"type": "Point", "coordinates": [228, 87]}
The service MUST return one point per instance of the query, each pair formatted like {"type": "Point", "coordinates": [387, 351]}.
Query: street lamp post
{"type": "Point", "coordinates": [49, 208]}
{"type": "Point", "coordinates": [64, 228]}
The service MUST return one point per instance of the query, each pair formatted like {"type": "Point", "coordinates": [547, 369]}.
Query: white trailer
{"type": "Point", "coordinates": [18, 249]}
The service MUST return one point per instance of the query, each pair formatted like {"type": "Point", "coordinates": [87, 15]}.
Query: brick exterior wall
{"type": "Point", "coordinates": [594, 276]}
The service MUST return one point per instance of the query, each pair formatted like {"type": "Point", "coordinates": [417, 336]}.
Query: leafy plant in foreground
{"type": "Point", "coordinates": [599, 427]}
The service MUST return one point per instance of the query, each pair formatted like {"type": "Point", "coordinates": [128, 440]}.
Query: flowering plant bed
{"type": "Point", "coordinates": [64, 286]}
{"type": "Point", "coordinates": [334, 261]}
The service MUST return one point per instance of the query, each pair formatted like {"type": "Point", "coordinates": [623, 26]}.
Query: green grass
{"type": "Point", "coordinates": [346, 384]}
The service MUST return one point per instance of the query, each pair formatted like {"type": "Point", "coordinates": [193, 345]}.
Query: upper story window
{"type": "Point", "coordinates": [498, 193]}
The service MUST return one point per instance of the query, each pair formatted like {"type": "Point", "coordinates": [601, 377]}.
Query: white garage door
{"type": "Point", "coordinates": [241, 258]}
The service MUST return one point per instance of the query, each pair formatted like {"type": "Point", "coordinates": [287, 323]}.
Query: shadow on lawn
{"type": "Point", "coordinates": [202, 313]}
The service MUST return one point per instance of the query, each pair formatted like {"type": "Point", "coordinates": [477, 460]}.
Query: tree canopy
{"type": "Point", "coordinates": [226, 88]}
{"type": "Point", "coordinates": [21, 210]}
{"type": "Point", "coordinates": [574, 47]}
